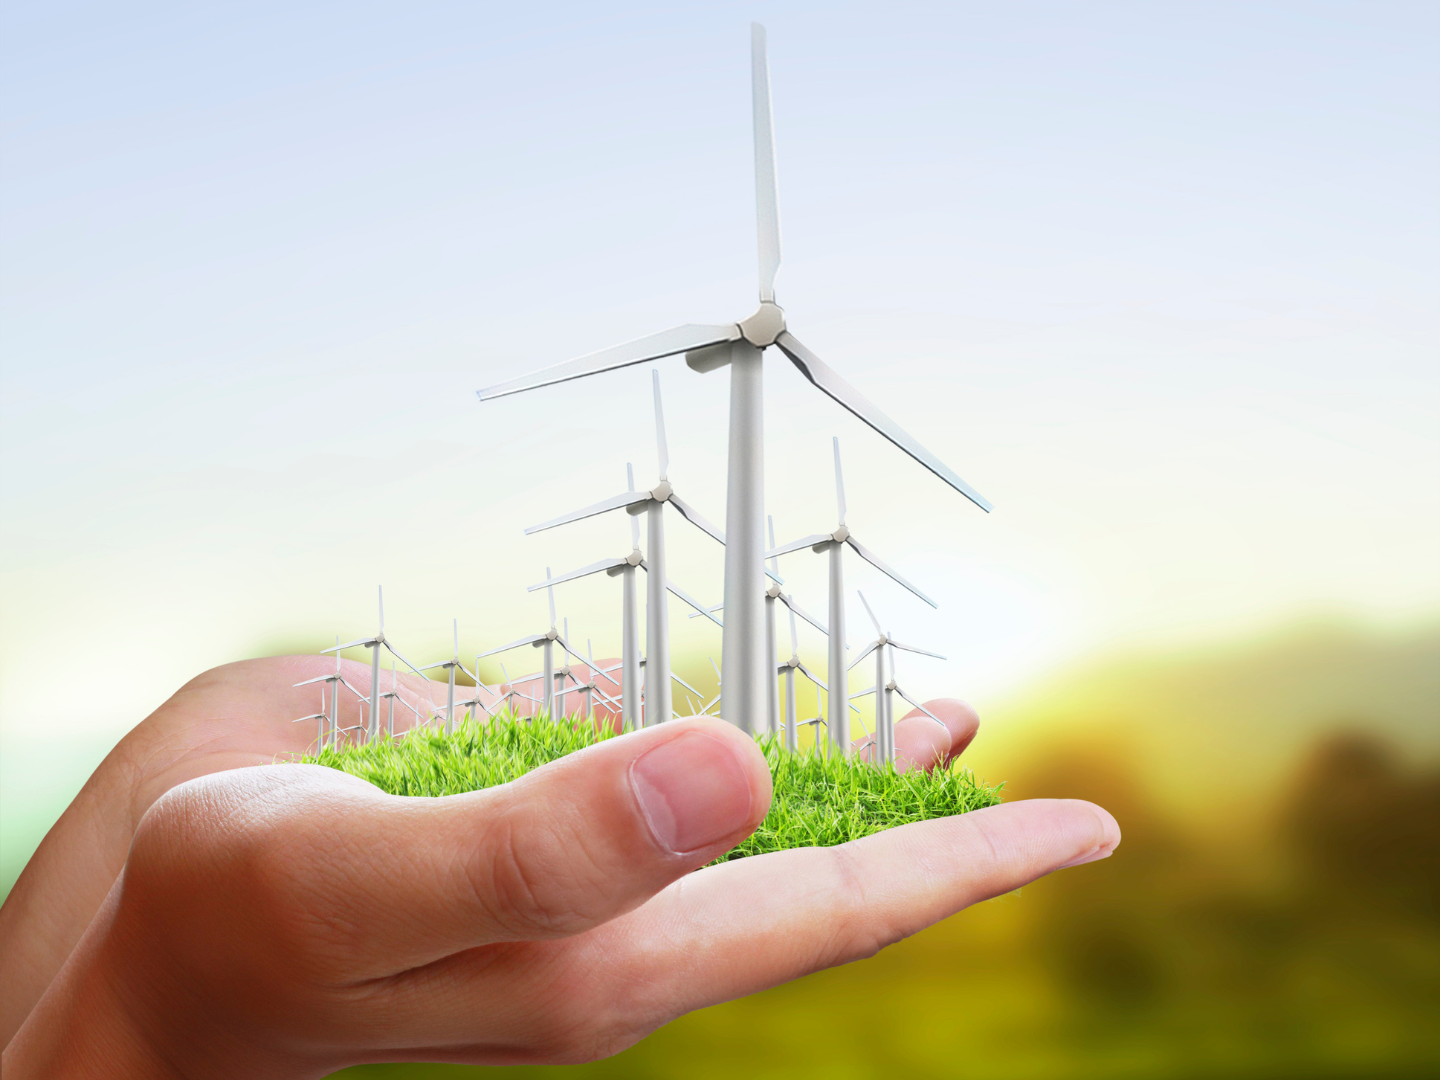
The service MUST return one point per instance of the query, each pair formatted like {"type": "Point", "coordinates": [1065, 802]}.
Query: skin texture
{"type": "Point", "coordinates": [200, 911]}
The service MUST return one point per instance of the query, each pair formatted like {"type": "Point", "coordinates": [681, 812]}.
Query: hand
{"type": "Point", "coordinates": [288, 920]}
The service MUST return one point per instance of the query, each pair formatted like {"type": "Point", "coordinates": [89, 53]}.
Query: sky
{"type": "Point", "coordinates": [1160, 280]}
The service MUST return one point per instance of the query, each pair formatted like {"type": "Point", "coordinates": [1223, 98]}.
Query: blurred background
{"type": "Point", "coordinates": [1159, 280]}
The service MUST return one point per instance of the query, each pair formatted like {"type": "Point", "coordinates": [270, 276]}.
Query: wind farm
{"type": "Point", "coordinates": [757, 677]}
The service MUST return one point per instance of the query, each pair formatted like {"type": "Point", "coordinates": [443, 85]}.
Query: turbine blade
{"type": "Point", "coordinates": [794, 636]}
{"type": "Point", "coordinates": [767, 199]}
{"type": "Point", "coordinates": [774, 562]}
{"type": "Point", "coordinates": [796, 609]}
{"type": "Point", "coordinates": [550, 594]}
{"type": "Point", "coordinates": [839, 480]}
{"type": "Point", "coordinates": [912, 648]}
{"type": "Point", "coordinates": [868, 650]}
{"type": "Point", "coordinates": [662, 448]}
{"type": "Point", "coordinates": [796, 545]}
{"type": "Point", "coordinates": [869, 556]}
{"type": "Point", "coordinates": [690, 514]}
{"type": "Point", "coordinates": [922, 708]}
{"type": "Point", "coordinates": [382, 608]}
{"type": "Point", "coordinates": [318, 678]}
{"type": "Point", "coordinates": [531, 640]}
{"type": "Point", "coordinates": [878, 631]}
{"type": "Point", "coordinates": [407, 663]}
{"type": "Point", "coordinates": [627, 499]}
{"type": "Point", "coordinates": [686, 685]}
{"type": "Point", "coordinates": [634, 519]}
{"type": "Point", "coordinates": [812, 677]}
{"type": "Point", "coordinates": [455, 626]}
{"type": "Point", "coordinates": [815, 369]}
{"type": "Point", "coordinates": [862, 693]}
{"type": "Point", "coordinates": [653, 347]}
{"type": "Point", "coordinates": [349, 645]}
{"type": "Point", "coordinates": [584, 571]}
{"type": "Point", "coordinates": [699, 607]}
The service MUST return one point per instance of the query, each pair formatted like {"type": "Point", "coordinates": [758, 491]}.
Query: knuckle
{"type": "Point", "coordinates": [532, 880]}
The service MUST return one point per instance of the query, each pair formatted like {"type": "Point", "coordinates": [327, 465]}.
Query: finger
{"type": "Point", "coordinates": [395, 882]}
{"type": "Point", "coordinates": [923, 742]}
{"type": "Point", "coordinates": [702, 943]}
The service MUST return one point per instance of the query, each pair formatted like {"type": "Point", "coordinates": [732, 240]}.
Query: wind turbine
{"type": "Point", "coordinates": [884, 703]}
{"type": "Point", "coordinates": [390, 696]}
{"type": "Point", "coordinates": [546, 642]}
{"type": "Point", "coordinates": [322, 716]}
{"type": "Point", "coordinates": [336, 681]}
{"type": "Point", "coordinates": [835, 543]}
{"type": "Point", "coordinates": [657, 614]}
{"type": "Point", "coordinates": [450, 666]}
{"type": "Point", "coordinates": [590, 687]}
{"type": "Point", "coordinates": [741, 346]}
{"type": "Point", "coordinates": [373, 644]}
{"type": "Point", "coordinates": [788, 668]}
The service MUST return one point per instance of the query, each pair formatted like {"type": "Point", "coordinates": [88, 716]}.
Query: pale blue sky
{"type": "Point", "coordinates": [1159, 279]}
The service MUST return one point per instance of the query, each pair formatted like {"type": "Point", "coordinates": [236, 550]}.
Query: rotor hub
{"type": "Point", "coordinates": [767, 324]}
{"type": "Point", "coordinates": [634, 558]}
{"type": "Point", "coordinates": [662, 491]}
{"type": "Point", "coordinates": [840, 535]}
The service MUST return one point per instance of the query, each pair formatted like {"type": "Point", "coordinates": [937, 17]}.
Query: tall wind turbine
{"type": "Point", "coordinates": [657, 615]}
{"type": "Point", "coordinates": [741, 345]}
{"type": "Point", "coordinates": [838, 721]}
{"type": "Point", "coordinates": [373, 644]}
{"type": "Point", "coordinates": [885, 686]}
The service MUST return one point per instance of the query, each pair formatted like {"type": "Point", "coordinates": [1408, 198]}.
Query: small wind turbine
{"type": "Point", "coordinates": [835, 543]}
{"type": "Point", "coordinates": [373, 644]}
{"type": "Point", "coordinates": [741, 345]}
{"type": "Point", "coordinates": [322, 716]}
{"type": "Point", "coordinates": [336, 681]}
{"type": "Point", "coordinates": [788, 668]}
{"type": "Point", "coordinates": [510, 695]}
{"type": "Point", "coordinates": [546, 642]}
{"type": "Point", "coordinates": [657, 615]}
{"type": "Point", "coordinates": [884, 703]}
{"type": "Point", "coordinates": [390, 696]}
{"type": "Point", "coordinates": [590, 687]}
{"type": "Point", "coordinates": [450, 666]}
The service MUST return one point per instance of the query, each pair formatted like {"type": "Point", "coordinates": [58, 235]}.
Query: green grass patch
{"type": "Point", "coordinates": [819, 801]}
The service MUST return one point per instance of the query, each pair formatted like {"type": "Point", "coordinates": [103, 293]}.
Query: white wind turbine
{"type": "Point", "coordinates": [885, 686]}
{"type": "Point", "coordinates": [741, 345]}
{"type": "Point", "coordinates": [373, 644]}
{"type": "Point", "coordinates": [590, 687]}
{"type": "Point", "coordinates": [657, 616]}
{"type": "Point", "coordinates": [545, 642]}
{"type": "Point", "coordinates": [322, 716]}
{"type": "Point", "coordinates": [838, 720]}
{"type": "Point", "coordinates": [450, 666]}
{"type": "Point", "coordinates": [788, 669]}
{"type": "Point", "coordinates": [389, 697]}
{"type": "Point", "coordinates": [336, 681]}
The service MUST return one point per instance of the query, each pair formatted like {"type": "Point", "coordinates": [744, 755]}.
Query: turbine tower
{"type": "Point", "coordinates": [838, 717]}
{"type": "Point", "coordinates": [740, 346]}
